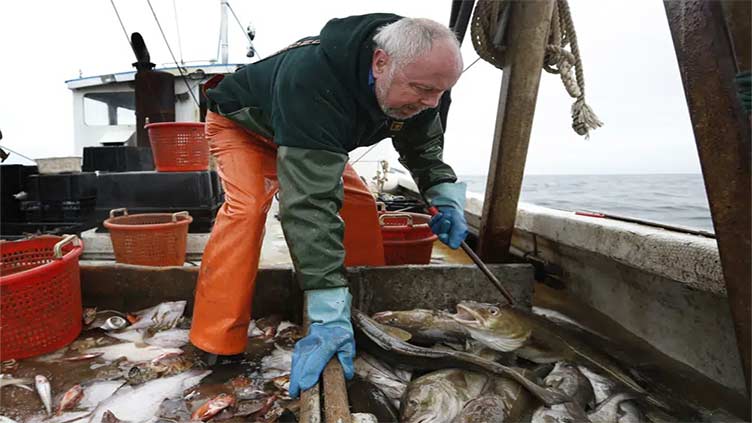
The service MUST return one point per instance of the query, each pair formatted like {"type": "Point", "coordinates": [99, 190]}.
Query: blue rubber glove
{"type": "Point", "coordinates": [330, 333]}
{"type": "Point", "coordinates": [449, 224]}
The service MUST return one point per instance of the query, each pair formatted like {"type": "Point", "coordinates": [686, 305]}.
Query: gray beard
{"type": "Point", "coordinates": [392, 113]}
{"type": "Point", "coordinates": [381, 91]}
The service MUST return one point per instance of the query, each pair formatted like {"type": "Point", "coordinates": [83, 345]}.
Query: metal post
{"type": "Point", "coordinates": [722, 133]}
{"type": "Point", "coordinates": [528, 32]}
{"type": "Point", "coordinates": [224, 50]}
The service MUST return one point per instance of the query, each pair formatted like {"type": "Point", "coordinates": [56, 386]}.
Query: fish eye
{"type": "Point", "coordinates": [494, 311]}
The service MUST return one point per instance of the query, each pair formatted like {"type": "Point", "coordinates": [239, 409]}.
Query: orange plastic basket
{"type": "Point", "coordinates": [179, 146]}
{"type": "Point", "coordinates": [40, 295]}
{"type": "Point", "coordinates": [407, 238]}
{"type": "Point", "coordinates": [149, 239]}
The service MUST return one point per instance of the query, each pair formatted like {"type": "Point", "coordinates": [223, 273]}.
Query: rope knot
{"type": "Point", "coordinates": [487, 18]}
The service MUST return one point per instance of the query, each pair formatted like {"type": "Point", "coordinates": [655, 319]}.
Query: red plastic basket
{"type": "Point", "coordinates": [149, 239]}
{"type": "Point", "coordinates": [179, 146]}
{"type": "Point", "coordinates": [40, 295]}
{"type": "Point", "coordinates": [407, 238]}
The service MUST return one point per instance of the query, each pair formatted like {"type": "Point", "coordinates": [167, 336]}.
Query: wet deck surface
{"type": "Point", "coordinates": [274, 250]}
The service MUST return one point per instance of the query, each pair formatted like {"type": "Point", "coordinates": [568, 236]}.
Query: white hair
{"type": "Point", "coordinates": [409, 38]}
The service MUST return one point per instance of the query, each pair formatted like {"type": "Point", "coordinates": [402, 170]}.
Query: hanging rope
{"type": "Point", "coordinates": [487, 30]}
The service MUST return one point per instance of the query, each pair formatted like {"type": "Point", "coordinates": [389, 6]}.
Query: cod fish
{"type": "Point", "coordinates": [44, 391]}
{"type": "Point", "coordinates": [610, 410]}
{"type": "Point", "coordinates": [427, 327]}
{"type": "Point", "coordinates": [365, 397]}
{"type": "Point", "coordinates": [533, 337]}
{"type": "Point", "coordinates": [502, 400]}
{"type": "Point", "coordinates": [568, 412]}
{"type": "Point", "coordinates": [388, 380]}
{"type": "Point", "coordinates": [408, 354]}
{"type": "Point", "coordinates": [484, 409]}
{"type": "Point", "coordinates": [518, 402]}
{"type": "Point", "coordinates": [603, 387]}
{"type": "Point", "coordinates": [566, 378]}
{"type": "Point", "coordinates": [630, 413]}
{"type": "Point", "coordinates": [441, 395]}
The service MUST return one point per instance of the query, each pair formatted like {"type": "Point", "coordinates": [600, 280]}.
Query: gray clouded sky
{"type": "Point", "coordinates": [632, 79]}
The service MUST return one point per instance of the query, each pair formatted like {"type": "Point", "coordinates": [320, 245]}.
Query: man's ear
{"type": "Point", "coordinates": [380, 63]}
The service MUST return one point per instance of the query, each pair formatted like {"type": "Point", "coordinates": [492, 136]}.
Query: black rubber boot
{"type": "Point", "coordinates": [213, 360]}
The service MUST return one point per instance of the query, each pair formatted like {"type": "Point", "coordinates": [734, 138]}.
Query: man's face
{"type": "Point", "coordinates": [404, 91]}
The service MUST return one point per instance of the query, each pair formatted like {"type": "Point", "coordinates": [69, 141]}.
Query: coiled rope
{"type": "Point", "coordinates": [487, 31]}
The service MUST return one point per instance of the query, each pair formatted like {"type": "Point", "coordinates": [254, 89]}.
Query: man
{"type": "Point", "coordinates": [363, 79]}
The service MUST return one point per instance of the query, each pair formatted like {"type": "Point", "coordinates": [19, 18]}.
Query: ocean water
{"type": "Point", "coordinates": [674, 199]}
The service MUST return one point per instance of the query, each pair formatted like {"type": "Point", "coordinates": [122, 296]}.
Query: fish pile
{"type": "Point", "coordinates": [491, 363]}
{"type": "Point", "coordinates": [140, 367]}
{"type": "Point", "coordinates": [479, 363]}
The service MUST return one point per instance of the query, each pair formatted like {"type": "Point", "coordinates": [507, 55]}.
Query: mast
{"type": "Point", "coordinates": [223, 43]}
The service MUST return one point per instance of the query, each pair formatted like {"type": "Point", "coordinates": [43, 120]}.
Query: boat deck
{"type": "Point", "coordinates": [274, 252]}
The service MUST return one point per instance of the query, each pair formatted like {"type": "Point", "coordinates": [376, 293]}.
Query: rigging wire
{"type": "Point", "coordinates": [248, 37]}
{"type": "Point", "coordinates": [127, 38]}
{"type": "Point", "coordinates": [177, 28]}
{"type": "Point", "coordinates": [364, 154]}
{"type": "Point", "coordinates": [5, 147]}
{"type": "Point", "coordinates": [471, 65]}
{"type": "Point", "coordinates": [182, 75]}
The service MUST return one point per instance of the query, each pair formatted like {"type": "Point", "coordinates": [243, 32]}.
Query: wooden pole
{"type": "Point", "coordinates": [310, 399]}
{"type": "Point", "coordinates": [528, 32]}
{"type": "Point", "coordinates": [336, 404]}
{"type": "Point", "coordinates": [722, 133]}
{"type": "Point", "coordinates": [310, 405]}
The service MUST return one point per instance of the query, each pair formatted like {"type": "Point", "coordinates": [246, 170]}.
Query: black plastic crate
{"type": "Point", "coordinates": [82, 211]}
{"type": "Point", "coordinates": [18, 230]}
{"type": "Point", "coordinates": [12, 182]}
{"type": "Point", "coordinates": [62, 187]}
{"type": "Point", "coordinates": [158, 190]}
{"type": "Point", "coordinates": [118, 158]}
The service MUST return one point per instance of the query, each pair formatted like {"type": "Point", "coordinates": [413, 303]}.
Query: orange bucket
{"type": "Point", "coordinates": [40, 295]}
{"type": "Point", "coordinates": [407, 238]}
{"type": "Point", "coordinates": [149, 239]}
{"type": "Point", "coordinates": [179, 146]}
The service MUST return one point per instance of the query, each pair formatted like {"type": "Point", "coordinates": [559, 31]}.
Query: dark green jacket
{"type": "Point", "coordinates": [316, 95]}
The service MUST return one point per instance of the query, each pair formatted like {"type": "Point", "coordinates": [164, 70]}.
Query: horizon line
{"type": "Point", "coordinates": [593, 174]}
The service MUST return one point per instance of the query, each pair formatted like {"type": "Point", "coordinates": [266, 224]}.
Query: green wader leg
{"type": "Point", "coordinates": [311, 193]}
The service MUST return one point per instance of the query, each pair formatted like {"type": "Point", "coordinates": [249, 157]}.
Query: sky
{"type": "Point", "coordinates": [631, 74]}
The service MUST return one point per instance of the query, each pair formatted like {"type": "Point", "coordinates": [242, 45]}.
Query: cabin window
{"type": "Point", "coordinates": [110, 108]}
